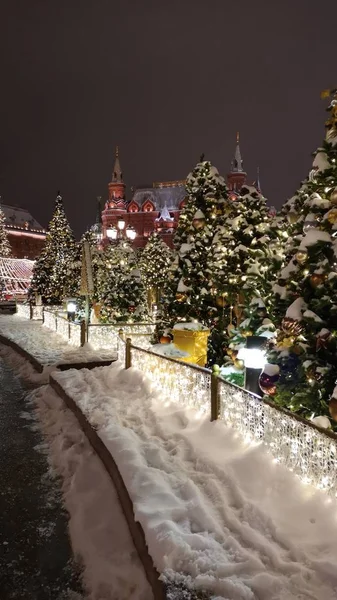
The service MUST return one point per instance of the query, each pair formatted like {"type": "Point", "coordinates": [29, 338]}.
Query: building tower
{"type": "Point", "coordinates": [237, 176]}
{"type": "Point", "coordinates": [116, 186]}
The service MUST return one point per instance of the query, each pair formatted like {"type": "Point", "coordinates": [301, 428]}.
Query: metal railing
{"type": "Point", "coordinates": [307, 450]}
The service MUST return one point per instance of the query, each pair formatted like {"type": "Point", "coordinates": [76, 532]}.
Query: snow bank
{"type": "Point", "coordinates": [216, 511]}
{"type": "Point", "coordinates": [47, 346]}
{"type": "Point", "coordinates": [99, 534]}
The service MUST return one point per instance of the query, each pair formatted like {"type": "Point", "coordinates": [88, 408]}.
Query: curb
{"type": "Point", "coordinates": [103, 453]}
{"type": "Point", "coordinates": [33, 361]}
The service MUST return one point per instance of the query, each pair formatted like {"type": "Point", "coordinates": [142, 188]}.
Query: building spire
{"type": "Point", "coordinates": [237, 162]}
{"type": "Point", "coordinates": [117, 175]}
{"type": "Point", "coordinates": [257, 183]}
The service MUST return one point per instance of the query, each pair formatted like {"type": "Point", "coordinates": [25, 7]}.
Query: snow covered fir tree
{"type": "Point", "coordinates": [245, 258]}
{"type": "Point", "coordinates": [189, 295]}
{"type": "Point", "coordinates": [56, 271]}
{"type": "Point", "coordinates": [154, 263]}
{"type": "Point", "coordinates": [5, 248]}
{"type": "Point", "coordinates": [306, 292]}
{"type": "Point", "coordinates": [120, 291]}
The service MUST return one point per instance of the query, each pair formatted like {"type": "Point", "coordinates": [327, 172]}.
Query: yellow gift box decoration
{"type": "Point", "coordinates": [194, 342]}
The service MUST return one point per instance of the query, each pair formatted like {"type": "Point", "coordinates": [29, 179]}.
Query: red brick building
{"type": "Point", "coordinates": [25, 234]}
{"type": "Point", "coordinates": [156, 207]}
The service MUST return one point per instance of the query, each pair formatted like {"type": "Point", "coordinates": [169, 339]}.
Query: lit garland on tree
{"type": "Point", "coordinates": [306, 350]}
{"type": "Point", "coordinates": [120, 290]}
{"type": "Point", "coordinates": [56, 270]}
{"type": "Point", "coordinates": [5, 248]}
{"type": "Point", "coordinates": [246, 255]}
{"type": "Point", "coordinates": [189, 296]}
{"type": "Point", "coordinates": [154, 264]}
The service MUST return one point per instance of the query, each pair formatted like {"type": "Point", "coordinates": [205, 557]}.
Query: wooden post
{"type": "Point", "coordinates": [83, 332]}
{"type": "Point", "coordinates": [128, 353]}
{"type": "Point", "coordinates": [30, 311]}
{"type": "Point", "coordinates": [215, 399]}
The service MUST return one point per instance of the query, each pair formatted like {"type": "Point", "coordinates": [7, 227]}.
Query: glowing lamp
{"type": "Point", "coordinates": [112, 233]}
{"type": "Point", "coordinates": [130, 233]}
{"type": "Point", "coordinates": [71, 309]}
{"type": "Point", "coordinates": [121, 224]}
{"type": "Point", "coordinates": [254, 358]}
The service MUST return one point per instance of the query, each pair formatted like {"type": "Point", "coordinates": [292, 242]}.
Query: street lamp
{"type": "Point", "coordinates": [130, 233]}
{"type": "Point", "coordinates": [71, 309]}
{"type": "Point", "coordinates": [254, 358]}
{"type": "Point", "coordinates": [112, 233]}
{"type": "Point", "coordinates": [121, 224]}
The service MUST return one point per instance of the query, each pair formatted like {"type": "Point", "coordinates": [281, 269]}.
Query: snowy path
{"type": "Point", "coordinates": [99, 534]}
{"type": "Point", "coordinates": [46, 346]}
{"type": "Point", "coordinates": [212, 508]}
{"type": "Point", "coordinates": [35, 553]}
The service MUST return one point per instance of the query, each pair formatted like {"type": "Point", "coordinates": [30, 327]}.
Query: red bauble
{"type": "Point", "coordinates": [165, 339]}
{"type": "Point", "coordinates": [268, 383]}
{"type": "Point", "coordinates": [132, 309]}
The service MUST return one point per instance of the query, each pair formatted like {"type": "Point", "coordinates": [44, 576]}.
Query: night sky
{"type": "Point", "coordinates": [166, 81]}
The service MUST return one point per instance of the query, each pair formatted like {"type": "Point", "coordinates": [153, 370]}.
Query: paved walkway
{"type": "Point", "coordinates": [35, 553]}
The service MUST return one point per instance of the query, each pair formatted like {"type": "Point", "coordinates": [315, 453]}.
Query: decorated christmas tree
{"type": "Point", "coordinates": [190, 295]}
{"type": "Point", "coordinates": [246, 256]}
{"type": "Point", "coordinates": [154, 264]}
{"type": "Point", "coordinates": [120, 291]}
{"type": "Point", "coordinates": [5, 248]}
{"type": "Point", "coordinates": [56, 271]}
{"type": "Point", "coordinates": [306, 348]}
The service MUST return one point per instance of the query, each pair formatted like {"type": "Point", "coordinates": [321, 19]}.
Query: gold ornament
{"type": "Point", "coordinates": [239, 364]}
{"type": "Point", "coordinates": [292, 217]}
{"type": "Point", "coordinates": [247, 333]}
{"type": "Point", "coordinates": [291, 326]}
{"type": "Point", "coordinates": [333, 197]}
{"type": "Point", "coordinates": [198, 223]}
{"type": "Point", "coordinates": [333, 408]}
{"type": "Point", "coordinates": [220, 301]}
{"type": "Point", "coordinates": [317, 279]}
{"type": "Point", "coordinates": [301, 256]}
{"type": "Point", "coordinates": [285, 343]}
{"type": "Point", "coordinates": [332, 216]}
{"type": "Point", "coordinates": [180, 297]}
{"type": "Point", "coordinates": [230, 328]}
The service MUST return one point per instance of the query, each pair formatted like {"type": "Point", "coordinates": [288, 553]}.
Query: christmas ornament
{"type": "Point", "coordinates": [267, 382]}
{"type": "Point", "coordinates": [285, 343]}
{"type": "Point", "coordinates": [220, 301]}
{"type": "Point", "coordinates": [165, 339]}
{"type": "Point", "coordinates": [132, 309]}
{"type": "Point", "coordinates": [230, 328]}
{"type": "Point", "coordinates": [332, 216]}
{"type": "Point", "coordinates": [292, 217]}
{"type": "Point", "coordinates": [333, 197]}
{"type": "Point", "coordinates": [301, 256]}
{"type": "Point", "coordinates": [180, 297]}
{"type": "Point", "coordinates": [317, 279]}
{"type": "Point", "coordinates": [333, 408]}
{"type": "Point", "coordinates": [291, 326]}
{"type": "Point", "coordinates": [199, 220]}
{"type": "Point", "coordinates": [247, 332]}
{"type": "Point", "coordinates": [313, 375]}
{"type": "Point", "coordinates": [232, 353]}
{"type": "Point", "coordinates": [323, 339]}
{"type": "Point", "coordinates": [239, 364]}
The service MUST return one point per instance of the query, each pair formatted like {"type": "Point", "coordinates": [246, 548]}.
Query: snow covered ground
{"type": "Point", "coordinates": [217, 513]}
{"type": "Point", "coordinates": [99, 534]}
{"type": "Point", "coordinates": [46, 346]}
